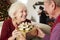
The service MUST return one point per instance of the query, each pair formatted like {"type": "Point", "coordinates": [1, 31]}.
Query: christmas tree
{"type": "Point", "coordinates": [4, 5]}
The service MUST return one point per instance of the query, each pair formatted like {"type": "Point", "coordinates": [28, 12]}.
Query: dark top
{"type": "Point", "coordinates": [7, 29]}
{"type": "Point", "coordinates": [43, 17]}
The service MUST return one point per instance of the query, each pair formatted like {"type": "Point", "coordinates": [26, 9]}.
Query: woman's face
{"type": "Point", "coordinates": [21, 14]}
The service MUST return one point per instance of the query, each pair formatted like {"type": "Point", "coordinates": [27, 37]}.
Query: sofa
{"type": "Point", "coordinates": [1, 23]}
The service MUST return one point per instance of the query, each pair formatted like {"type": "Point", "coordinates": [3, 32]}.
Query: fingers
{"type": "Point", "coordinates": [16, 33]}
{"type": "Point", "coordinates": [41, 34]}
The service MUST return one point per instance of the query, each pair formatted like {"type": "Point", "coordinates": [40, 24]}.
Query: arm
{"type": "Point", "coordinates": [4, 35]}
{"type": "Point", "coordinates": [42, 35]}
{"type": "Point", "coordinates": [46, 37]}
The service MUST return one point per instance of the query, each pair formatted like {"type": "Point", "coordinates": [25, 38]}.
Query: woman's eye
{"type": "Point", "coordinates": [25, 10]}
{"type": "Point", "coordinates": [21, 11]}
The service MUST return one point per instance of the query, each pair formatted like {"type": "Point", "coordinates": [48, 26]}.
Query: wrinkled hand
{"type": "Point", "coordinates": [16, 34]}
{"type": "Point", "coordinates": [41, 34]}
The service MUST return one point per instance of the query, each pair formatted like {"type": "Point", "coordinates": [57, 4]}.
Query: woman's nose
{"type": "Point", "coordinates": [24, 13]}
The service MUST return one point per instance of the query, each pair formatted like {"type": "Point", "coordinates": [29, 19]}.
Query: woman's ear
{"type": "Point", "coordinates": [15, 18]}
{"type": "Point", "coordinates": [14, 15]}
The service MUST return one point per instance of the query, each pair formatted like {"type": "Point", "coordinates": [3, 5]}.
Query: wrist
{"type": "Point", "coordinates": [11, 38]}
{"type": "Point", "coordinates": [41, 36]}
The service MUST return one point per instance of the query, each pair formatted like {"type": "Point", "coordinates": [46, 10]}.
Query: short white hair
{"type": "Point", "coordinates": [14, 7]}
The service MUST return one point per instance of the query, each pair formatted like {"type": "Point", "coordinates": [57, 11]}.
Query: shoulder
{"type": "Point", "coordinates": [55, 35]}
{"type": "Point", "coordinates": [57, 28]}
{"type": "Point", "coordinates": [7, 21]}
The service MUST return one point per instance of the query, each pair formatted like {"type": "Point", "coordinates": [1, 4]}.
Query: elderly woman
{"type": "Point", "coordinates": [17, 13]}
